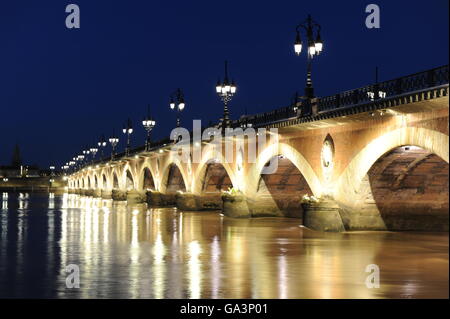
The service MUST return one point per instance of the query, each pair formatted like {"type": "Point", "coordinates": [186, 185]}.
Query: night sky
{"type": "Point", "coordinates": [60, 88]}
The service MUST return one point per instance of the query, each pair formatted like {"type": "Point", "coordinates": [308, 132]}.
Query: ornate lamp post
{"type": "Point", "coordinates": [177, 103]}
{"type": "Point", "coordinates": [86, 152]}
{"type": "Point", "coordinates": [80, 159]}
{"type": "Point", "coordinates": [114, 141]}
{"type": "Point", "coordinates": [71, 165]}
{"type": "Point", "coordinates": [127, 130]}
{"type": "Point", "coordinates": [102, 144]}
{"type": "Point", "coordinates": [226, 91]}
{"type": "Point", "coordinates": [315, 46]}
{"type": "Point", "coordinates": [148, 123]}
{"type": "Point", "coordinates": [94, 151]}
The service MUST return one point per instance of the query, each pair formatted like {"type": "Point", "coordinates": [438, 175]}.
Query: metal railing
{"type": "Point", "coordinates": [383, 90]}
{"type": "Point", "coordinates": [402, 85]}
{"type": "Point", "coordinates": [370, 93]}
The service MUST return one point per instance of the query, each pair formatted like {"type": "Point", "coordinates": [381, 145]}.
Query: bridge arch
{"type": "Point", "coordinates": [210, 160]}
{"type": "Point", "coordinates": [392, 173]}
{"type": "Point", "coordinates": [104, 182]}
{"type": "Point", "coordinates": [173, 178]}
{"type": "Point", "coordinates": [288, 152]}
{"type": "Point", "coordinates": [146, 179]}
{"type": "Point", "coordinates": [115, 181]}
{"type": "Point", "coordinates": [129, 180]}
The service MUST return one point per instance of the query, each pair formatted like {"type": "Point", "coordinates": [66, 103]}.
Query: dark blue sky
{"type": "Point", "coordinates": [60, 89]}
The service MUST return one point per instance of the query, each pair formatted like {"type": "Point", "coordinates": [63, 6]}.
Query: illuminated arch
{"type": "Point", "coordinates": [165, 175]}
{"type": "Point", "coordinates": [129, 180]}
{"type": "Point", "coordinates": [146, 170]}
{"type": "Point", "coordinates": [199, 176]}
{"type": "Point", "coordinates": [115, 180]}
{"type": "Point", "coordinates": [349, 182]}
{"type": "Point", "coordinates": [290, 153]}
{"type": "Point", "coordinates": [104, 182]}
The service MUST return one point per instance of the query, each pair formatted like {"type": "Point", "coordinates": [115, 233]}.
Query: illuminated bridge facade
{"type": "Point", "coordinates": [371, 158]}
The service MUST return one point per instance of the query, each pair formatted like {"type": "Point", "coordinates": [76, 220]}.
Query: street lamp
{"type": "Point", "coordinates": [315, 47]}
{"type": "Point", "coordinates": [101, 145]}
{"type": "Point", "coordinates": [177, 102]}
{"type": "Point", "coordinates": [94, 151]}
{"type": "Point", "coordinates": [225, 90]}
{"type": "Point", "coordinates": [128, 130]}
{"type": "Point", "coordinates": [80, 158]}
{"type": "Point", "coordinates": [114, 141]}
{"type": "Point", "coordinates": [148, 123]}
{"type": "Point", "coordinates": [86, 152]}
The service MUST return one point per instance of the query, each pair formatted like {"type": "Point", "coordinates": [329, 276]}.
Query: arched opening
{"type": "Point", "coordinates": [148, 182]}
{"type": "Point", "coordinates": [280, 192]}
{"type": "Point", "coordinates": [175, 181]}
{"type": "Point", "coordinates": [408, 186]}
{"type": "Point", "coordinates": [115, 181]}
{"type": "Point", "coordinates": [88, 182]}
{"type": "Point", "coordinates": [216, 179]}
{"type": "Point", "coordinates": [129, 182]}
{"type": "Point", "coordinates": [104, 183]}
{"type": "Point", "coordinates": [95, 182]}
{"type": "Point", "coordinates": [82, 183]}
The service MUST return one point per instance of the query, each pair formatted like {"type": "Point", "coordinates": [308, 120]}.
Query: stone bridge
{"type": "Point", "coordinates": [373, 158]}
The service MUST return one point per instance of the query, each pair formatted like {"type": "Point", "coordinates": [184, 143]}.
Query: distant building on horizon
{"type": "Point", "coordinates": [16, 169]}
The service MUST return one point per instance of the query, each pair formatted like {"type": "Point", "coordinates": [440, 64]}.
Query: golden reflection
{"type": "Point", "coordinates": [23, 200]}
{"type": "Point", "coordinates": [5, 201]}
{"type": "Point", "coordinates": [130, 251]}
{"type": "Point", "coordinates": [194, 273]}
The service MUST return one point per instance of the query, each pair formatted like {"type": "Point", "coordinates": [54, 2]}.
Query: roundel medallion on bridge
{"type": "Point", "coordinates": [327, 155]}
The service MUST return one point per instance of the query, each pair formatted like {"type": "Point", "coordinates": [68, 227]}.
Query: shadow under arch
{"type": "Point", "coordinates": [359, 208]}
{"type": "Point", "coordinates": [129, 180]}
{"type": "Point", "coordinates": [104, 182]}
{"type": "Point", "coordinates": [201, 172]}
{"type": "Point", "coordinates": [292, 155]}
{"type": "Point", "coordinates": [173, 179]}
{"type": "Point", "coordinates": [280, 193]}
{"type": "Point", "coordinates": [115, 184]}
{"type": "Point", "coordinates": [146, 180]}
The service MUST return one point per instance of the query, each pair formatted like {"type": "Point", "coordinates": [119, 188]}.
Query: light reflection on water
{"type": "Point", "coordinates": [135, 252]}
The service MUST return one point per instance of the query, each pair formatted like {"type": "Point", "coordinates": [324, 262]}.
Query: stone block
{"type": "Point", "coordinates": [235, 206]}
{"type": "Point", "coordinates": [154, 198]}
{"type": "Point", "coordinates": [323, 216]}
{"type": "Point", "coordinates": [136, 197]}
{"type": "Point", "coordinates": [119, 195]}
{"type": "Point", "coordinates": [186, 201]}
{"type": "Point", "coordinates": [106, 194]}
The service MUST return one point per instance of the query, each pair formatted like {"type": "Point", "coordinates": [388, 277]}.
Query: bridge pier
{"type": "Point", "coordinates": [168, 199]}
{"type": "Point", "coordinates": [323, 215]}
{"type": "Point", "coordinates": [235, 205]}
{"type": "Point", "coordinates": [97, 192]}
{"type": "Point", "coordinates": [186, 201]}
{"type": "Point", "coordinates": [119, 195]}
{"type": "Point", "coordinates": [89, 192]}
{"type": "Point", "coordinates": [154, 198]}
{"type": "Point", "coordinates": [106, 194]}
{"type": "Point", "coordinates": [135, 197]}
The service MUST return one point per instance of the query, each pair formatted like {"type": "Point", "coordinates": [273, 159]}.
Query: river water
{"type": "Point", "coordinates": [135, 252]}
